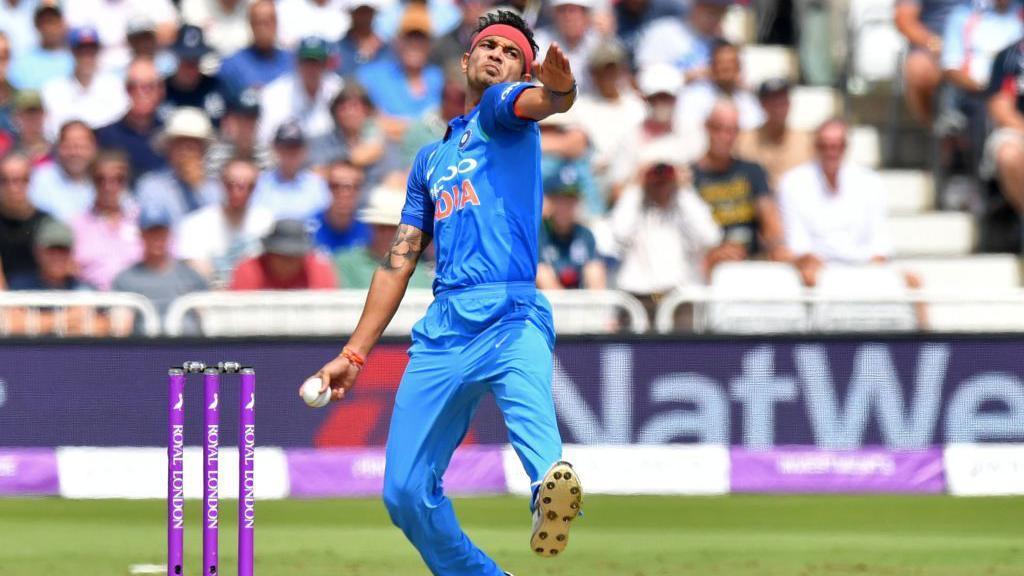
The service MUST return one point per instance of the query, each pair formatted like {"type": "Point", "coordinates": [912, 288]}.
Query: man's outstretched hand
{"type": "Point", "coordinates": [555, 73]}
{"type": "Point", "coordinates": [339, 375]}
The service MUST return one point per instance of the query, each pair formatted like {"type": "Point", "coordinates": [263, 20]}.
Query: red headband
{"type": "Point", "coordinates": [509, 33]}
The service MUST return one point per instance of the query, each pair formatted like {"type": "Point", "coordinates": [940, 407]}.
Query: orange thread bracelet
{"type": "Point", "coordinates": [353, 357]}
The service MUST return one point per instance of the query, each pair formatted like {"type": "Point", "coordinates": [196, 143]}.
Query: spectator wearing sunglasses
{"type": "Point", "coordinates": [136, 131]}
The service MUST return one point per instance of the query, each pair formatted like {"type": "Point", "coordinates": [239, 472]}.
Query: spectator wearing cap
{"type": "Point", "coordinates": [107, 236]}
{"type": "Point", "coordinates": [158, 275]}
{"type": "Point", "coordinates": [612, 97]}
{"type": "Point", "coordinates": [236, 136]}
{"type": "Point", "coordinates": [215, 238]}
{"type": "Point", "coordinates": [30, 136]}
{"type": "Point", "coordinates": [19, 218]}
{"type": "Point", "coordinates": [662, 128]}
{"type": "Point", "coordinates": [300, 19]}
{"type": "Point", "coordinates": [685, 43]}
{"type": "Point", "coordinates": [1004, 149]}
{"type": "Point", "coordinates": [135, 133]}
{"type": "Point", "coordinates": [567, 251]}
{"type": "Point", "coordinates": [184, 186]}
{"type": "Point", "coordinates": [142, 43]}
{"type": "Point", "coordinates": [563, 141]}
{"type": "Point", "coordinates": [661, 232]}
{"type": "Point", "coordinates": [64, 188]}
{"type": "Point", "coordinates": [922, 23]}
{"type": "Point", "coordinates": [110, 19]}
{"type": "Point", "coordinates": [303, 95]}
{"type": "Point", "coordinates": [449, 48]}
{"type": "Point", "coordinates": [290, 190]}
{"type": "Point", "coordinates": [224, 22]}
{"type": "Point", "coordinates": [573, 29]}
{"type": "Point", "coordinates": [361, 44]}
{"type": "Point", "coordinates": [34, 67]}
{"type": "Point", "coordinates": [53, 245]}
{"type": "Point", "coordinates": [288, 262]}
{"type": "Point", "coordinates": [16, 23]}
{"type": "Point", "coordinates": [355, 135]}
{"type": "Point", "coordinates": [262, 61]}
{"type": "Point", "coordinates": [382, 214]}
{"type": "Point", "coordinates": [432, 125]}
{"type": "Point", "coordinates": [833, 210]}
{"type": "Point", "coordinates": [723, 82]}
{"type": "Point", "coordinates": [407, 85]}
{"type": "Point", "coordinates": [774, 145]}
{"type": "Point", "coordinates": [737, 192]}
{"type": "Point", "coordinates": [189, 86]}
{"type": "Point", "coordinates": [337, 228]}
{"type": "Point", "coordinates": [86, 94]}
{"type": "Point", "coordinates": [633, 16]}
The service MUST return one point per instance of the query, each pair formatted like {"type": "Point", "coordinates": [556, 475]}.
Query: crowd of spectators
{"type": "Point", "coordinates": [164, 147]}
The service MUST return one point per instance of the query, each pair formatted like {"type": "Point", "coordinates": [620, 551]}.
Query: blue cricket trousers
{"type": "Point", "coordinates": [494, 338]}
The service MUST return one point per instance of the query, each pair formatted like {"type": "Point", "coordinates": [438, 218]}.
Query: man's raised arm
{"type": "Point", "coordinates": [558, 93]}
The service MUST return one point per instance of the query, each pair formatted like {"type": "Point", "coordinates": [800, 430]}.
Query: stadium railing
{"type": "Point", "coordinates": [336, 312]}
{"type": "Point", "coordinates": [933, 311]}
{"type": "Point", "coordinates": [62, 313]}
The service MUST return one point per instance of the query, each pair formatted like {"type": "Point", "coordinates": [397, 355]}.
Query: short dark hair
{"type": "Point", "coordinates": [72, 124]}
{"type": "Point", "coordinates": [719, 44]}
{"type": "Point", "coordinates": [512, 19]}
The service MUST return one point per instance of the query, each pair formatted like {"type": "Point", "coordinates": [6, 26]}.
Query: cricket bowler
{"type": "Point", "coordinates": [477, 194]}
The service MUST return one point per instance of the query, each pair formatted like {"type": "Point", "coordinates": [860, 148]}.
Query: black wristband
{"type": "Point", "coordinates": [568, 92]}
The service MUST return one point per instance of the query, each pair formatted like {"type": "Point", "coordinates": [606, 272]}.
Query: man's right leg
{"type": "Point", "coordinates": [432, 413]}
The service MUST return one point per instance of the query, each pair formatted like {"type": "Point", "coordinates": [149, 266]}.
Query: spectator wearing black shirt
{"type": "Point", "coordinates": [19, 219]}
{"type": "Point", "coordinates": [567, 249]}
{"type": "Point", "coordinates": [188, 86]}
{"type": "Point", "coordinates": [737, 192]}
{"type": "Point", "coordinates": [135, 133]}
{"type": "Point", "coordinates": [1004, 151]}
{"type": "Point", "coordinates": [52, 246]}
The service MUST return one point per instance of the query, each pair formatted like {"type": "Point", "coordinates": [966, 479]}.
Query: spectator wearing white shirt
{"type": "Point", "coordinates": [685, 44]}
{"type": "Point", "coordinates": [110, 19]}
{"type": "Point", "coordinates": [662, 232]}
{"type": "Point", "coordinates": [723, 82]}
{"type": "Point", "coordinates": [224, 22]}
{"type": "Point", "coordinates": [87, 94]}
{"type": "Point", "coordinates": [215, 238]}
{"type": "Point", "coordinates": [833, 210]}
{"type": "Point", "coordinates": [64, 188]}
{"type": "Point", "coordinates": [575, 33]}
{"type": "Point", "coordinates": [16, 22]}
{"type": "Point", "coordinates": [290, 190]}
{"type": "Point", "coordinates": [303, 95]}
{"type": "Point", "coordinates": [299, 19]}
{"type": "Point", "coordinates": [612, 97]}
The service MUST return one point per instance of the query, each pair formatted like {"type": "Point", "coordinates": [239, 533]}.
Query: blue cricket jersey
{"type": "Point", "coordinates": [478, 193]}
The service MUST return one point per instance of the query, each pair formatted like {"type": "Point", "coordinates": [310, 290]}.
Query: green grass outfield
{"type": "Point", "coordinates": [620, 536]}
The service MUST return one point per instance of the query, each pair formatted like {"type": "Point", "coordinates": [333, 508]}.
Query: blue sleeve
{"type": "Point", "coordinates": [497, 107]}
{"type": "Point", "coordinates": [419, 208]}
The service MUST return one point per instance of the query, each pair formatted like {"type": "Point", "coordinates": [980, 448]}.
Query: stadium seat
{"type": "Point", "coordinates": [769, 280]}
{"type": "Point", "coordinates": [972, 279]}
{"type": "Point", "coordinates": [908, 191]}
{"type": "Point", "coordinates": [864, 146]}
{"type": "Point", "coordinates": [932, 234]}
{"type": "Point", "coordinates": [836, 282]}
{"type": "Point", "coordinates": [811, 106]}
{"type": "Point", "coordinates": [762, 63]}
{"type": "Point", "coordinates": [876, 44]}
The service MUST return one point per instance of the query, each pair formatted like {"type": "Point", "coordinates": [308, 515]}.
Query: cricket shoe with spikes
{"type": "Point", "coordinates": [558, 503]}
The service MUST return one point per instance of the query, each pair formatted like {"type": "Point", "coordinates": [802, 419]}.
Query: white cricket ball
{"type": "Point", "coordinates": [311, 393]}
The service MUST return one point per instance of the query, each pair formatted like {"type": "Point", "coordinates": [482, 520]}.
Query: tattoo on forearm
{"type": "Point", "coordinates": [405, 249]}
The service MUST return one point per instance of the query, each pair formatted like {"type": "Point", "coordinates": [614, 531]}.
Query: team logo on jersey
{"type": "Point", "coordinates": [449, 194]}
{"type": "Point", "coordinates": [465, 138]}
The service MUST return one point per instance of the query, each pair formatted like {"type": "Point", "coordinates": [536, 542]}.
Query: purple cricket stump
{"type": "Point", "coordinates": [211, 469]}
{"type": "Point", "coordinates": [175, 471]}
{"type": "Point", "coordinates": [246, 471]}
